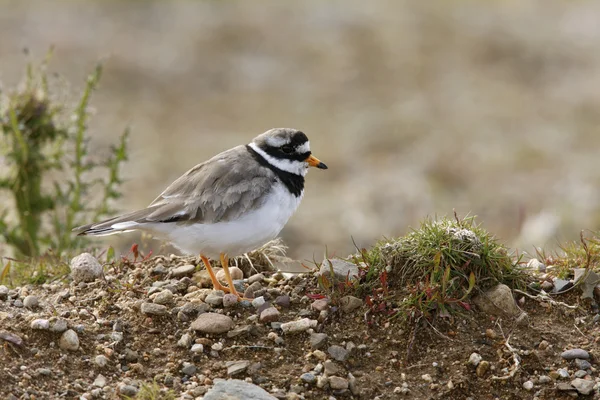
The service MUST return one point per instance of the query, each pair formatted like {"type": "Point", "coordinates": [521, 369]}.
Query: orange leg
{"type": "Point", "coordinates": [225, 265]}
{"type": "Point", "coordinates": [213, 278]}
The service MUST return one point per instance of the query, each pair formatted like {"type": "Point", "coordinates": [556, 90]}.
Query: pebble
{"type": "Point", "coordinates": [474, 359]}
{"type": "Point", "coordinates": [85, 268]}
{"type": "Point", "coordinates": [338, 383]}
{"type": "Point", "coordinates": [101, 361]}
{"type": "Point", "coordinates": [182, 271]}
{"type": "Point", "coordinates": [100, 381]}
{"type": "Point", "coordinates": [164, 297]}
{"type": "Point", "coordinates": [544, 379]}
{"type": "Point", "coordinates": [320, 305]}
{"type": "Point", "coordinates": [270, 314]}
{"type": "Point", "coordinates": [127, 390]}
{"type": "Point", "coordinates": [44, 371]}
{"type": "Point", "coordinates": [188, 369]}
{"type": "Point", "coordinates": [197, 348]}
{"type": "Point", "coordinates": [215, 298]}
{"type": "Point", "coordinates": [330, 368]}
{"type": "Point", "coordinates": [69, 340]}
{"type": "Point", "coordinates": [256, 278]}
{"type": "Point", "coordinates": [212, 323]}
{"type": "Point", "coordinates": [237, 367]}
{"type": "Point", "coordinates": [547, 286]}
{"type": "Point", "coordinates": [342, 269]}
{"type": "Point", "coordinates": [482, 368]}
{"type": "Point", "coordinates": [318, 340]}
{"type": "Point", "coordinates": [308, 378]}
{"type": "Point", "coordinates": [31, 302]}
{"type": "Point", "coordinates": [582, 364]}
{"type": "Point", "coordinates": [350, 303]}
{"type": "Point", "coordinates": [320, 355]}
{"type": "Point", "coordinates": [3, 292]}
{"type": "Point", "coordinates": [427, 378]}
{"type": "Point", "coordinates": [563, 373]}
{"type": "Point", "coordinates": [301, 325]}
{"type": "Point", "coordinates": [322, 381]}
{"type": "Point", "coordinates": [498, 301]}
{"type": "Point", "coordinates": [229, 300]}
{"type": "Point", "coordinates": [258, 302]}
{"type": "Point", "coordinates": [235, 272]}
{"type": "Point", "coordinates": [338, 353]}
{"type": "Point", "coordinates": [283, 301]}
{"type": "Point", "coordinates": [490, 333]}
{"type": "Point", "coordinates": [580, 373]}
{"type": "Point", "coordinates": [583, 386]}
{"type": "Point", "coordinates": [575, 353]}
{"type": "Point", "coordinates": [40, 324]}
{"type": "Point", "coordinates": [58, 325]}
{"type": "Point", "coordinates": [528, 385]}
{"type": "Point", "coordinates": [236, 389]}
{"type": "Point", "coordinates": [153, 309]}
{"type": "Point", "coordinates": [543, 345]}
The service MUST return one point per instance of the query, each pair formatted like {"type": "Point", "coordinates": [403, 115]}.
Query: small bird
{"type": "Point", "coordinates": [229, 205]}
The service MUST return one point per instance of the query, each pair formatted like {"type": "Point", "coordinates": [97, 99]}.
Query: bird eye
{"type": "Point", "coordinates": [287, 149]}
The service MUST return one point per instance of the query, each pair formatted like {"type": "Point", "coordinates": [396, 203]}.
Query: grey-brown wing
{"type": "Point", "coordinates": [220, 189]}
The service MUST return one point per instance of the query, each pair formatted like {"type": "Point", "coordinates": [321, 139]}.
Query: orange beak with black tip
{"type": "Point", "coordinates": [315, 162]}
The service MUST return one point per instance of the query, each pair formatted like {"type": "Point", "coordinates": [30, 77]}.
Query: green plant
{"type": "Point", "coordinates": [50, 174]}
{"type": "Point", "coordinates": [152, 391]}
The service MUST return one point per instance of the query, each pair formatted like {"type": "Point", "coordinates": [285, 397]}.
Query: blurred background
{"type": "Point", "coordinates": [418, 108]}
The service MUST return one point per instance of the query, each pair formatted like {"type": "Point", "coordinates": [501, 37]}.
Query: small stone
{"type": "Point", "coordinates": [474, 359]}
{"type": "Point", "coordinates": [256, 278]}
{"type": "Point", "coordinates": [528, 385]}
{"type": "Point", "coordinates": [258, 302]}
{"type": "Point", "coordinates": [547, 286]}
{"type": "Point", "coordinates": [131, 355]}
{"type": "Point", "coordinates": [490, 333]}
{"type": "Point", "coordinates": [580, 374]}
{"type": "Point", "coordinates": [544, 379]}
{"type": "Point", "coordinates": [212, 323]}
{"type": "Point", "coordinates": [184, 270]}
{"type": "Point", "coordinates": [563, 373]}
{"type": "Point", "coordinates": [101, 361]}
{"type": "Point", "coordinates": [308, 378]}
{"type": "Point", "coordinates": [320, 355]}
{"type": "Point", "coordinates": [352, 385]}
{"type": "Point", "coordinates": [188, 369]}
{"type": "Point", "coordinates": [44, 371]}
{"type": "Point", "coordinates": [582, 364]}
{"type": "Point", "coordinates": [482, 368]}
{"type": "Point", "coordinates": [330, 368]}
{"type": "Point", "coordinates": [235, 272]}
{"type": "Point", "coordinates": [236, 389]}
{"type": "Point", "coordinates": [498, 301]}
{"type": "Point", "coordinates": [153, 309]}
{"type": "Point", "coordinates": [427, 378]}
{"type": "Point", "coordinates": [565, 387]}
{"type": "Point", "coordinates": [100, 381]}
{"type": "Point", "coordinates": [69, 341]}
{"type": "Point", "coordinates": [85, 268]}
{"type": "Point", "coordinates": [536, 265]}
{"type": "Point", "coordinates": [271, 314]}
{"type": "Point", "coordinates": [301, 325]}
{"type": "Point", "coordinates": [318, 340]}
{"type": "Point", "coordinates": [40, 324]}
{"type": "Point", "coordinates": [338, 353]}
{"type": "Point", "coordinates": [338, 383]}
{"type": "Point", "coordinates": [543, 345]}
{"type": "Point", "coordinates": [127, 390]}
{"type": "Point", "coordinates": [342, 270]}
{"type": "Point", "coordinates": [583, 386]}
{"type": "Point", "coordinates": [237, 367]}
{"type": "Point", "coordinates": [31, 302]}
{"type": "Point", "coordinates": [320, 305]}
{"type": "Point", "coordinates": [3, 292]}
{"type": "Point", "coordinates": [215, 298]}
{"type": "Point", "coordinates": [58, 325]}
{"type": "Point", "coordinates": [283, 301]}
{"type": "Point", "coordinates": [561, 285]}
{"type": "Point", "coordinates": [217, 346]}
{"type": "Point", "coordinates": [350, 303]}
{"type": "Point", "coordinates": [229, 300]}
{"type": "Point", "coordinates": [197, 348]}
{"type": "Point", "coordinates": [322, 381]}
{"type": "Point", "coordinates": [575, 353]}
{"type": "Point", "coordinates": [165, 297]}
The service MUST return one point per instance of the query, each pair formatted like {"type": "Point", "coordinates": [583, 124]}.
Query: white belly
{"type": "Point", "coordinates": [236, 237]}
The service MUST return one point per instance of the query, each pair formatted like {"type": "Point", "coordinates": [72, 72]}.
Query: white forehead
{"type": "Point", "coordinates": [277, 141]}
{"type": "Point", "coordinates": [305, 148]}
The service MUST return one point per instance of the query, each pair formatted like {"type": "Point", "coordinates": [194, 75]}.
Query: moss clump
{"type": "Point", "coordinates": [572, 255]}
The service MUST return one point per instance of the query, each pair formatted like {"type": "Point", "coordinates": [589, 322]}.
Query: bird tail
{"type": "Point", "coordinates": [123, 223]}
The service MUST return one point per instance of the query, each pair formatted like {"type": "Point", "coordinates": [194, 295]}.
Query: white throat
{"type": "Point", "coordinates": [292, 166]}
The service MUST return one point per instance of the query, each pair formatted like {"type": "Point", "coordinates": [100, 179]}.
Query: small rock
{"type": "Point", "coordinates": [528, 385]}
{"type": "Point", "coordinates": [236, 389]}
{"type": "Point", "coordinates": [563, 373]}
{"type": "Point", "coordinates": [560, 285]}
{"type": "Point", "coordinates": [498, 301]}
{"type": "Point", "coordinates": [31, 302]}
{"type": "Point", "coordinates": [215, 298]}
{"type": "Point", "coordinates": [164, 297]}
{"type": "Point", "coordinates": [153, 309]}
{"type": "Point", "coordinates": [235, 272]}
{"type": "Point", "coordinates": [101, 361]}
{"type": "Point", "coordinates": [58, 325]}
{"type": "Point", "coordinates": [188, 369]}
{"type": "Point", "coordinates": [197, 348]}
{"type": "Point", "coordinates": [308, 378]}
{"type": "Point", "coordinates": [544, 379]}
{"type": "Point", "coordinates": [583, 386]}
{"type": "Point", "coordinates": [547, 286]}
{"type": "Point", "coordinates": [338, 383]}
{"type": "Point", "coordinates": [575, 353]}
{"type": "Point", "coordinates": [543, 345]}
{"type": "Point", "coordinates": [184, 270]}
{"type": "Point", "coordinates": [237, 367]}
{"type": "Point", "coordinates": [580, 373]}
{"type": "Point", "coordinates": [258, 302]}
{"type": "Point", "coordinates": [350, 303]}
{"type": "Point", "coordinates": [320, 305]}
{"type": "Point", "coordinates": [352, 385]}
{"type": "Point", "coordinates": [127, 390]}
{"type": "Point", "coordinates": [318, 340]}
{"type": "Point", "coordinates": [490, 333]}
{"type": "Point", "coordinates": [40, 324]}
{"type": "Point", "coordinates": [582, 364]}
{"type": "Point", "coordinates": [565, 387]}
{"type": "Point", "coordinates": [85, 268]}
{"type": "Point", "coordinates": [482, 368]}
{"type": "Point", "coordinates": [536, 265]}
{"type": "Point", "coordinates": [474, 359]}
{"type": "Point", "coordinates": [256, 278]}
{"type": "Point", "coordinates": [3, 292]}
{"type": "Point", "coordinates": [338, 353]}
{"type": "Point", "coordinates": [301, 325]}
{"type": "Point", "coordinates": [331, 368]}
{"type": "Point", "coordinates": [131, 355]}
{"type": "Point", "coordinates": [229, 300]}
{"type": "Point", "coordinates": [427, 378]}
{"type": "Point", "coordinates": [212, 323]}
{"type": "Point", "coordinates": [283, 301]}
{"type": "Point", "coordinates": [271, 314]}
{"type": "Point", "coordinates": [69, 340]}
{"type": "Point", "coordinates": [342, 269]}
{"type": "Point", "coordinates": [100, 381]}
{"type": "Point", "coordinates": [320, 355]}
